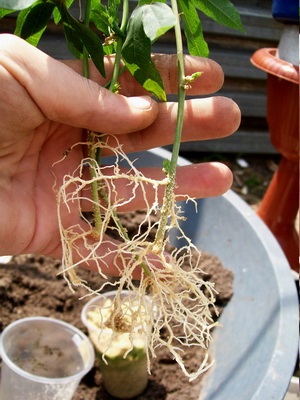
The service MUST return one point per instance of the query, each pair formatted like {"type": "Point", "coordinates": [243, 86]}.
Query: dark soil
{"type": "Point", "coordinates": [29, 287]}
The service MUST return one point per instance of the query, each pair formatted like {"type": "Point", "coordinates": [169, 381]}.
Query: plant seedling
{"type": "Point", "coordinates": [171, 279]}
{"type": "Point", "coordinates": [120, 351]}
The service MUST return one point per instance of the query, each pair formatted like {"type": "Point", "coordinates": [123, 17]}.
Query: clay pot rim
{"type": "Point", "coordinates": [266, 60]}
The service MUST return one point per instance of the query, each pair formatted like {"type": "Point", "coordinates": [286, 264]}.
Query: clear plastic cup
{"type": "Point", "coordinates": [43, 359]}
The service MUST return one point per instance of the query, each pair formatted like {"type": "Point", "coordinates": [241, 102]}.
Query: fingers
{"type": "Point", "coordinates": [195, 180]}
{"type": "Point", "coordinates": [203, 180]}
{"type": "Point", "coordinates": [64, 96]}
{"type": "Point", "coordinates": [211, 80]}
{"type": "Point", "coordinates": [107, 259]}
{"type": "Point", "coordinates": [204, 119]}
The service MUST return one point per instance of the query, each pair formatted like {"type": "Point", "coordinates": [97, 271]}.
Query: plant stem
{"type": "Point", "coordinates": [120, 41]}
{"type": "Point", "coordinates": [92, 137]}
{"type": "Point", "coordinates": [94, 153]}
{"type": "Point", "coordinates": [169, 191]}
{"type": "Point", "coordinates": [112, 87]}
{"type": "Point", "coordinates": [94, 185]}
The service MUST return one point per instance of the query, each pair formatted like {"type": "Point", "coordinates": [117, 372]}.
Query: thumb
{"type": "Point", "coordinates": [64, 96]}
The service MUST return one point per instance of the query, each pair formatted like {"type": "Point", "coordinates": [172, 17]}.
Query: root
{"type": "Point", "coordinates": [179, 297]}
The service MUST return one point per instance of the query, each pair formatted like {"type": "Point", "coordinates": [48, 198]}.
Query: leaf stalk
{"type": "Point", "coordinates": [120, 41]}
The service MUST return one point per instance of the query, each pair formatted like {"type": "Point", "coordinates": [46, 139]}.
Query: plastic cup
{"type": "Point", "coordinates": [123, 378]}
{"type": "Point", "coordinates": [43, 359]}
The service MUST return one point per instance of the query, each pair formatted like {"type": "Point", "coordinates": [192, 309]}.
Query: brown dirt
{"type": "Point", "coordinates": [29, 287]}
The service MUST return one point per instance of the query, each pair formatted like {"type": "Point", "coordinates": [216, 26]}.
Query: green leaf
{"type": "Point", "coordinates": [221, 11]}
{"type": "Point", "coordinates": [136, 53]}
{"type": "Point", "coordinates": [109, 49]}
{"type": "Point", "coordinates": [16, 4]}
{"type": "Point", "coordinates": [192, 26]}
{"type": "Point", "coordinates": [56, 15]}
{"type": "Point", "coordinates": [166, 166]}
{"type": "Point", "coordinates": [141, 2]}
{"type": "Point", "coordinates": [157, 19]}
{"type": "Point", "coordinates": [56, 12]}
{"type": "Point", "coordinates": [4, 11]}
{"type": "Point", "coordinates": [113, 10]}
{"type": "Point", "coordinates": [32, 22]}
{"type": "Point", "coordinates": [79, 36]}
{"type": "Point", "coordinates": [99, 16]}
{"type": "Point", "coordinates": [94, 47]}
{"type": "Point", "coordinates": [73, 41]}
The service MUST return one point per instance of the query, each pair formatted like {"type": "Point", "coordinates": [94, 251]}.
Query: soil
{"type": "Point", "coordinates": [29, 286]}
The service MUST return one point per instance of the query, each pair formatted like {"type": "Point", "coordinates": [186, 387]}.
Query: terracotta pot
{"type": "Point", "coordinates": [280, 203]}
{"type": "Point", "coordinates": [282, 101]}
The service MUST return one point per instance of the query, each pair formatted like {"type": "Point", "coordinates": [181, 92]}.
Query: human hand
{"type": "Point", "coordinates": [45, 105]}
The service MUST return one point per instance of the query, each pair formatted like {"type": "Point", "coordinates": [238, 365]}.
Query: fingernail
{"type": "Point", "coordinates": [143, 102]}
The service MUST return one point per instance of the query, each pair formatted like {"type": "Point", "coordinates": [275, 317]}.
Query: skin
{"type": "Point", "coordinates": [45, 106]}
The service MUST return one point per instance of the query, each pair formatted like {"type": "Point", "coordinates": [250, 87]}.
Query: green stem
{"type": "Point", "coordinates": [94, 186]}
{"type": "Point", "coordinates": [91, 136]}
{"type": "Point", "coordinates": [120, 41]}
{"type": "Point", "coordinates": [113, 85]}
{"type": "Point", "coordinates": [169, 191]}
{"type": "Point", "coordinates": [94, 153]}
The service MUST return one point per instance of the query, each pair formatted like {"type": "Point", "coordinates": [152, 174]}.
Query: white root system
{"type": "Point", "coordinates": [180, 298]}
